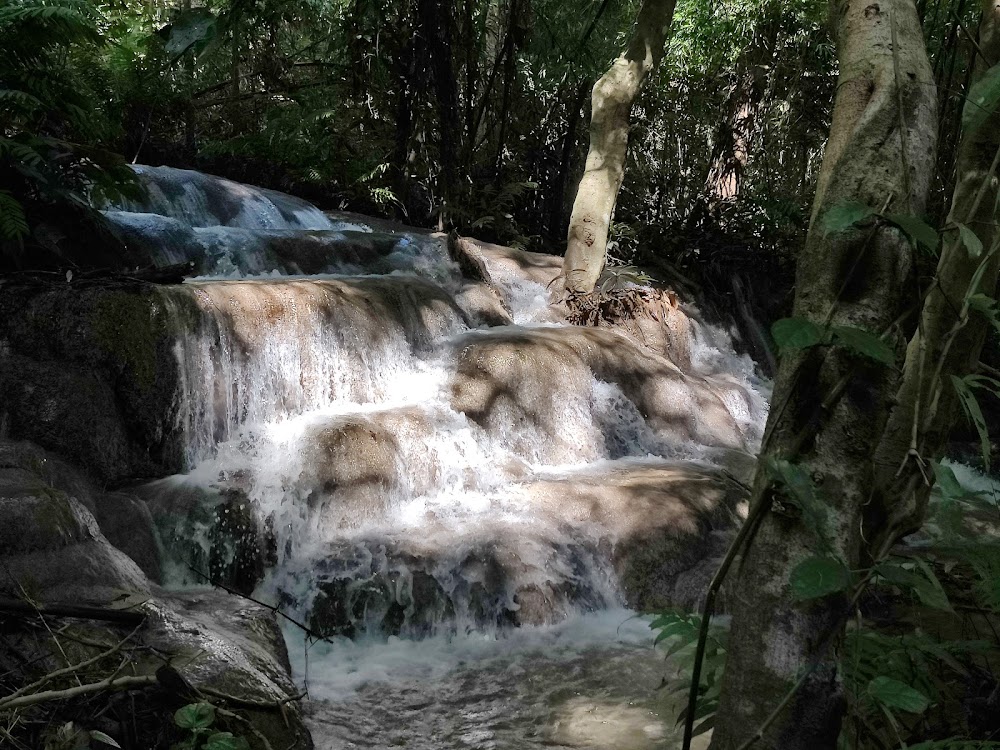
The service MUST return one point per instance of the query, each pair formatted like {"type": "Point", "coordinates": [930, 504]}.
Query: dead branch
{"type": "Point", "coordinates": [112, 684]}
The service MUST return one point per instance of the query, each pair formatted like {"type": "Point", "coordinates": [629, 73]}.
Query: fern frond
{"type": "Point", "coordinates": [13, 222]}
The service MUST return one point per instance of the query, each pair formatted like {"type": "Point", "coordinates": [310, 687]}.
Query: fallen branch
{"type": "Point", "coordinates": [302, 626]}
{"type": "Point", "coordinates": [54, 609]}
{"type": "Point", "coordinates": [73, 668]}
{"type": "Point", "coordinates": [112, 684]}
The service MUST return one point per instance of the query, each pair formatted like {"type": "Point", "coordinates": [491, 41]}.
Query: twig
{"type": "Point", "coordinates": [72, 668]}
{"type": "Point", "coordinates": [111, 684]}
{"type": "Point", "coordinates": [252, 705]}
{"type": "Point", "coordinates": [53, 609]}
{"type": "Point", "coordinates": [248, 724]}
{"type": "Point", "coordinates": [303, 627]}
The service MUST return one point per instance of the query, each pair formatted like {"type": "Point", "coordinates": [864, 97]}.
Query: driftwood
{"type": "Point", "coordinates": [82, 612]}
{"type": "Point", "coordinates": [174, 274]}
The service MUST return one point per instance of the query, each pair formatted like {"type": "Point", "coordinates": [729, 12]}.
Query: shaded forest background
{"type": "Point", "coordinates": [473, 114]}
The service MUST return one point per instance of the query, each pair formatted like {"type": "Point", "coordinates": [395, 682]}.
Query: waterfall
{"type": "Point", "coordinates": [367, 453]}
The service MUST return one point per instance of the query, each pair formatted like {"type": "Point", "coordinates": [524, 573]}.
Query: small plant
{"type": "Point", "coordinates": [197, 719]}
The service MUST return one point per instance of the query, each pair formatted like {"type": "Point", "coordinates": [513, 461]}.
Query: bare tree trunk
{"type": "Point", "coordinates": [950, 336]}
{"type": "Point", "coordinates": [731, 150]}
{"type": "Point", "coordinates": [830, 404]}
{"type": "Point", "coordinates": [557, 195]}
{"type": "Point", "coordinates": [436, 18]}
{"type": "Point", "coordinates": [612, 99]}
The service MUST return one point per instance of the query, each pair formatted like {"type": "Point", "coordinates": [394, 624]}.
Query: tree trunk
{"type": "Point", "coordinates": [436, 18]}
{"type": "Point", "coordinates": [830, 404]}
{"type": "Point", "coordinates": [557, 195]}
{"type": "Point", "coordinates": [612, 99]}
{"type": "Point", "coordinates": [950, 336]}
{"type": "Point", "coordinates": [733, 138]}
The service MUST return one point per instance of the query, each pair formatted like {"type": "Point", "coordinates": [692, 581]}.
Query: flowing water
{"type": "Point", "coordinates": [444, 499]}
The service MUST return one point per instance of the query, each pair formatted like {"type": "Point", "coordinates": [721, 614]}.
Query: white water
{"type": "Point", "coordinates": [341, 409]}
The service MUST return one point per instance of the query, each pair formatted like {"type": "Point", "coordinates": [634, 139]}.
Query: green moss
{"type": "Point", "coordinates": [54, 516]}
{"type": "Point", "coordinates": [128, 326]}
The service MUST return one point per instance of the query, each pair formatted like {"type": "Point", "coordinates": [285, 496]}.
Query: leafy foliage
{"type": "Point", "coordinates": [796, 333]}
{"type": "Point", "coordinates": [197, 719]}
{"type": "Point", "coordinates": [677, 635]}
{"type": "Point", "coordinates": [45, 101]}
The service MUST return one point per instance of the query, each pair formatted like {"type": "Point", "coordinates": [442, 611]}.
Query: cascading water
{"type": "Point", "coordinates": [366, 454]}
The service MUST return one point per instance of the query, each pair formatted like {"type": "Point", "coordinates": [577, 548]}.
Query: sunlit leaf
{"type": "Point", "coordinates": [796, 333]}
{"type": "Point", "coordinates": [844, 216]}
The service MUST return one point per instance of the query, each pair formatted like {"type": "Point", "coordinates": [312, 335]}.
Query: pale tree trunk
{"type": "Point", "coordinates": [611, 102]}
{"type": "Point", "coordinates": [830, 404]}
{"type": "Point", "coordinates": [950, 336]}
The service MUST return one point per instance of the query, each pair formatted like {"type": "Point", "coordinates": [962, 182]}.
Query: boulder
{"type": "Point", "coordinates": [126, 522]}
{"type": "Point", "coordinates": [89, 372]}
{"type": "Point", "coordinates": [52, 550]}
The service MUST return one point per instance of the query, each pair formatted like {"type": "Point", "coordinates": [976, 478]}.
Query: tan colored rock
{"type": "Point", "coordinates": [510, 377]}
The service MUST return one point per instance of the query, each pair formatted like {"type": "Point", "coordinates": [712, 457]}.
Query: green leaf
{"type": "Point", "coordinates": [103, 738]}
{"type": "Point", "coordinates": [970, 406]}
{"type": "Point", "coordinates": [925, 584]}
{"type": "Point", "coordinates": [225, 741]}
{"type": "Point", "coordinates": [195, 716]}
{"type": "Point", "coordinates": [972, 243]}
{"type": "Point", "coordinates": [863, 342]}
{"type": "Point", "coordinates": [895, 694]}
{"type": "Point", "coordinates": [796, 333]}
{"type": "Point", "coordinates": [844, 216]}
{"type": "Point", "coordinates": [982, 100]}
{"type": "Point", "coordinates": [932, 594]}
{"type": "Point", "coordinates": [947, 482]}
{"type": "Point", "coordinates": [190, 28]}
{"type": "Point", "coordinates": [918, 231]}
{"type": "Point", "coordinates": [801, 493]}
{"type": "Point", "coordinates": [816, 577]}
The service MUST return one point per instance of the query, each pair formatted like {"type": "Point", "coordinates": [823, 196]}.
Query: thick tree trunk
{"type": "Point", "coordinates": [829, 404]}
{"type": "Point", "coordinates": [612, 99]}
{"type": "Point", "coordinates": [950, 336]}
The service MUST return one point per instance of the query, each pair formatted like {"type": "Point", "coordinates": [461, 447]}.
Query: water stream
{"type": "Point", "coordinates": [452, 503]}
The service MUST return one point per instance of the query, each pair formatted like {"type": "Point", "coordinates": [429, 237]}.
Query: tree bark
{"type": "Point", "coordinates": [950, 336]}
{"type": "Point", "coordinates": [830, 404]}
{"type": "Point", "coordinates": [612, 99]}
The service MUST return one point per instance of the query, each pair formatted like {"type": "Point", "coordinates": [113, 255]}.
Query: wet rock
{"type": "Point", "coordinates": [352, 468]}
{"type": "Point", "coordinates": [209, 534]}
{"type": "Point", "coordinates": [127, 523]}
{"type": "Point", "coordinates": [507, 379]}
{"type": "Point", "coordinates": [239, 545]}
{"type": "Point", "coordinates": [90, 374]}
{"type": "Point", "coordinates": [483, 304]}
{"type": "Point", "coordinates": [663, 526]}
{"type": "Point", "coordinates": [52, 548]}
